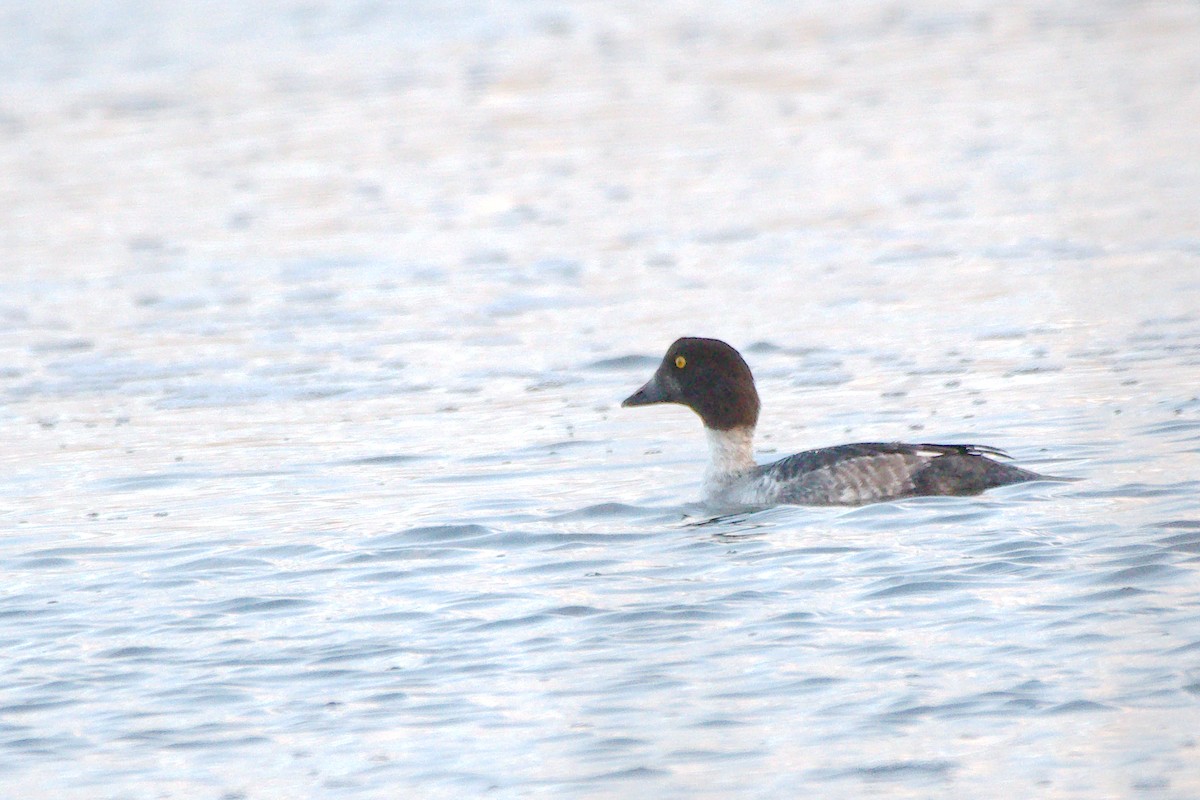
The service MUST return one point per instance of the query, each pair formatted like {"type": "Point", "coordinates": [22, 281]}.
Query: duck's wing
{"type": "Point", "coordinates": [869, 472]}
{"type": "Point", "coordinates": [961, 449]}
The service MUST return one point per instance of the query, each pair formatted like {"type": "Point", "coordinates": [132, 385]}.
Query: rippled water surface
{"type": "Point", "coordinates": [314, 325]}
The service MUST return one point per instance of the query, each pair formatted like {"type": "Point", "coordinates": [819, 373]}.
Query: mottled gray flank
{"type": "Point", "coordinates": [869, 472]}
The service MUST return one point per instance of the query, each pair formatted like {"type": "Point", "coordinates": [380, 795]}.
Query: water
{"type": "Point", "coordinates": [313, 328]}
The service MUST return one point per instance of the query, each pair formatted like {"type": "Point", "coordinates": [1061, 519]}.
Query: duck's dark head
{"type": "Point", "coordinates": [709, 377]}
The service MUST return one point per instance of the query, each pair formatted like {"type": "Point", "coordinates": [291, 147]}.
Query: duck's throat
{"type": "Point", "coordinates": [730, 455]}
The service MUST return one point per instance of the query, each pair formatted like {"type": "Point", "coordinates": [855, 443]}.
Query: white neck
{"type": "Point", "coordinates": [730, 454]}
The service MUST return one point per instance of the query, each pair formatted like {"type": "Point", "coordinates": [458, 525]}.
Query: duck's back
{"type": "Point", "coordinates": [870, 472]}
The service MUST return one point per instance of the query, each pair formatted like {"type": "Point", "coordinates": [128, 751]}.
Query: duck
{"type": "Point", "coordinates": [712, 379]}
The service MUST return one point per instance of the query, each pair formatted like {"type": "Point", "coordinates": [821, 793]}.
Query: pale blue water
{"type": "Point", "coordinates": [314, 325]}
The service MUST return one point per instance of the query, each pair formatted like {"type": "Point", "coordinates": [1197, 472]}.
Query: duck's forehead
{"type": "Point", "coordinates": [687, 345]}
{"type": "Point", "coordinates": [707, 350]}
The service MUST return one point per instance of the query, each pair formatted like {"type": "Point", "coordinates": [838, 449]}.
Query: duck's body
{"type": "Point", "coordinates": [711, 378]}
{"type": "Point", "coordinates": [866, 472]}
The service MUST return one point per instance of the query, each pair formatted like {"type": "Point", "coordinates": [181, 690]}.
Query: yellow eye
{"type": "Point", "coordinates": [680, 362]}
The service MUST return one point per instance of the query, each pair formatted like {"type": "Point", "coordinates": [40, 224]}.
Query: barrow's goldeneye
{"type": "Point", "coordinates": [711, 378]}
